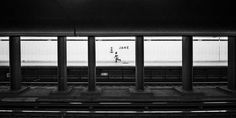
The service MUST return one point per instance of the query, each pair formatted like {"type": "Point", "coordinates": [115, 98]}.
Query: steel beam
{"type": "Point", "coordinates": [187, 62]}
{"type": "Point", "coordinates": [139, 60]}
{"type": "Point", "coordinates": [232, 62]}
{"type": "Point", "coordinates": [62, 63]}
{"type": "Point", "coordinates": [15, 62]}
{"type": "Point", "coordinates": [91, 63]}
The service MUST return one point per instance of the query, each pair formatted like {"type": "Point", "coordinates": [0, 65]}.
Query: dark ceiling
{"type": "Point", "coordinates": [70, 17]}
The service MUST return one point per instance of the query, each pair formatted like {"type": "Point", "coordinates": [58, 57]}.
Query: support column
{"type": "Point", "coordinates": [232, 62]}
{"type": "Point", "coordinates": [62, 63]}
{"type": "Point", "coordinates": [91, 64]}
{"type": "Point", "coordinates": [139, 60]}
{"type": "Point", "coordinates": [15, 62]}
{"type": "Point", "coordinates": [187, 62]}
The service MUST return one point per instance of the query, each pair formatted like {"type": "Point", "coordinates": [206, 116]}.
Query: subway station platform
{"type": "Point", "coordinates": [122, 94]}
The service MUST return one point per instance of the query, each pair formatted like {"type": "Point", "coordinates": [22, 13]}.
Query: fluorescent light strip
{"type": "Point", "coordinates": [224, 38]}
{"type": "Point", "coordinates": [215, 102]}
{"type": "Point", "coordinates": [138, 111]}
{"type": "Point", "coordinates": [5, 37]}
{"type": "Point", "coordinates": [120, 38]}
{"type": "Point", "coordinates": [162, 37]}
{"type": "Point", "coordinates": [37, 38]}
{"type": "Point", "coordinates": [115, 103]}
{"type": "Point", "coordinates": [77, 111]}
{"type": "Point", "coordinates": [163, 111]}
{"type": "Point", "coordinates": [75, 102]}
{"type": "Point", "coordinates": [202, 111]}
{"type": "Point", "coordinates": [116, 111]}
{"type": "Point", "coordinates": [208, 37]}
{"type": "Point", "coordinates": [76, 38]}
{"type": "Point", "coordinates": [6, 110]}
{"type": "Point", "coordinates": [209, 111]}
{"type": "Point", "coordinates": [38, 111]}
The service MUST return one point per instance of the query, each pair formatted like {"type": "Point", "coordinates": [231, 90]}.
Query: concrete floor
{"type": "Point", "coordinates": [118, 93]}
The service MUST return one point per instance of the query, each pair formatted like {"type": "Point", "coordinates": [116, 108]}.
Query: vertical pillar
{"type": "Point", "coordinates": [15, 62]}
{"type": "Point", "coordinates": [232, 62]}
{"type": "Point", "coordinates": [91, 63]}
{"type": "Point", "coordinates": [139, 60]}
{"type": "Point", "coordinates": [62, 63]}
{"type": "Point", "coordinates": [187, 62]}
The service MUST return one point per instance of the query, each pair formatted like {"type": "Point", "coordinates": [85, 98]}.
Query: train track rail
{"type": "Point", "coordinates": [117, 109]}
{"type": "Point", "coordinates": [116, 83]}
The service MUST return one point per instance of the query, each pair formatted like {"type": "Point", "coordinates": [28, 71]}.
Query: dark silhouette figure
{"type": "Point", "coordinates": [111, 51]}
{"type": "Point", "coordinates": [117, 57]}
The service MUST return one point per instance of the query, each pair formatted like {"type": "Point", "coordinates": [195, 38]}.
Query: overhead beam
{"type": "Point", "coordinates": [74, 31]}
{"type": "Point", "coordinates": [153, 32]}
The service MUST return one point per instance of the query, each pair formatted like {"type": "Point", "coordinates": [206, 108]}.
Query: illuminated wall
{"type": "Point", "coordinates": [43, 52]}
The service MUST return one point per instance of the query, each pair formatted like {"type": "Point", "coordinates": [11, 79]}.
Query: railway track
{"type": "Point", "coordinates": [54, 109]}
{"type": "Point", "coordinates": [118, 83]}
